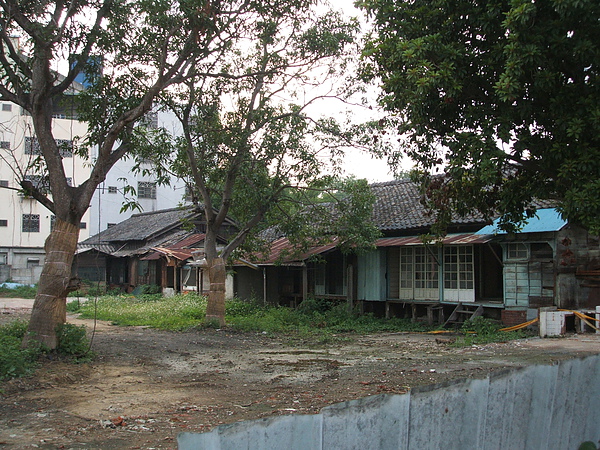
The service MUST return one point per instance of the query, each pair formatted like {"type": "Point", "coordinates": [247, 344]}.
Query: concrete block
{"type": "Point", "coordinates": [552, 323]}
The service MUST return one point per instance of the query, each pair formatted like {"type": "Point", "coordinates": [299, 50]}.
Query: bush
{"type": "Point", "coordinates": [481, 330]}
{"type": "Point", "coordinates": [14, 361]}
{"type": "Point", "coordinates": [236, 307]}
{"type": "Point", "coordinates": [17, 362]}
{"type": "Point", "coordinates": [73, 341]}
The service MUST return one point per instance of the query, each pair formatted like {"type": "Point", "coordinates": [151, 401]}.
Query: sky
{"type": "Point", "coordinates": [358, 163]}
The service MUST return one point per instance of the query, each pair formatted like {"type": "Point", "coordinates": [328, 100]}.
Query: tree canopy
{"type": "Point", "coordinates": [504, 96]}
{"type": "Point", "coordinates": [128, 53]}
{"type": "Point", "coordinates": [253, 150]}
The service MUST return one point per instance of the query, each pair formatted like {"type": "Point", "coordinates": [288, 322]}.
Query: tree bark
{"type": "Point", "coordinates": [50, 306]}
{"type": "Point", "coordinates": [217, 275]}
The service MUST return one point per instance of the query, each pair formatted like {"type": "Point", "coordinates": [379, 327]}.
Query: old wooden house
{"type": "Point", "coordinates": [473, 270]}
{"type": "Point", "coordinates": [153, 248]}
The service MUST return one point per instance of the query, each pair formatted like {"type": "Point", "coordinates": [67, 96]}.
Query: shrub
{"type": "Point", "coordinates": [15, 361]}
{"type": "Point", "coordinates": [236, 307]}
{"type": "Point", "coordinates": [72, 341]}
{"type": "Point", "coordinates": [481, 330]}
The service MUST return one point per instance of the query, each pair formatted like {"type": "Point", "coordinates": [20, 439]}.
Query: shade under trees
{"type": "Point", "coordinates": [503, 96]}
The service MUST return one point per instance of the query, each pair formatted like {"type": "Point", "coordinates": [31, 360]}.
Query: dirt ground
{"type": "Point", "coordinates": [146, 386]}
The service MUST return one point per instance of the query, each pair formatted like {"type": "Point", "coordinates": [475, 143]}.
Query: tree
{"type": "Point", "coordinates": [142, 47]}
{"type": "Point", "coordinates": [252, 152]}
{"type": "Point", "coordinates": [504, 95]}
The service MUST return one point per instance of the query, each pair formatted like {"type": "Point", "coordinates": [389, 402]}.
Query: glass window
{"type": "Point", "coordinates": [458, 267]}
{"type": "Point", "coordinates": [40, 182]}
{"type": "Point", "coordinates": [146, 189]}
{"type": "Point", "coordinates": [32, 147]}
{"type": "Point", "coordinates": [6, 107]}
{"type": "Point", "coordinates": [517, 251]}
{"type": "Point", "coordinates": [31, 223]}
{"type": "Point", "coordinates": [112, 189]}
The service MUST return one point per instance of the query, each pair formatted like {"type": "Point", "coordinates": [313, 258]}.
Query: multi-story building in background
{"type": "Point", "coordinates": [105, 208]}
{"type": "Point", "coordinates": [24, 222]}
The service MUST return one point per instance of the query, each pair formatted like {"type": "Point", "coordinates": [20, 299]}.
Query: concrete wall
{"type": "Point", "coordinates": [538, 407]}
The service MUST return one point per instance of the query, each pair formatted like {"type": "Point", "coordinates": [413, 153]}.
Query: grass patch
{"type": "Point", "coordinates": [18, 362]}
{"type": "Point", "coordinates": [317, 320]}
{"type": "Point", "coordinates": [176, 313]}
{"type": "Point", "coordinates": [18, 291]}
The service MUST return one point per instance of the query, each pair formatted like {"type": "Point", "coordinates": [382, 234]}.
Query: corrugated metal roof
{"type": "Point", "coordinates": [181, 250]}
{"type": "Point", "coordinates": [548, 219]}
{"type": "Point", "coordinates": [283, 252]}
{"type": "Point", "coordinates": [453, 239]}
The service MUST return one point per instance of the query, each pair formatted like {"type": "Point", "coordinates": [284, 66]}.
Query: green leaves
{"type": "Point", "coordinates": [515, 83]}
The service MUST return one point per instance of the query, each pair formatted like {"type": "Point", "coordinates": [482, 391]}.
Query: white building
{"type": "Point", "coordinates": [105, 208]}
{"type": "Point", "coordinates": [24, 223]}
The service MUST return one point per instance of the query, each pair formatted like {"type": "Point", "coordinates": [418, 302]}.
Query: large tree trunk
{"type": "Point", "coordinates": [50, 306]}
{"type": "Point", "coordinates": [217, 275]}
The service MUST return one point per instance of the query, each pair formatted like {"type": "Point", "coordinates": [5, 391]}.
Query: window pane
{"type": "Point", "coordinates": [31, 223]}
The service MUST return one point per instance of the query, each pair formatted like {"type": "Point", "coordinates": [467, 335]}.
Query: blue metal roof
{"type": "Point", "coordinates": [545, 220]}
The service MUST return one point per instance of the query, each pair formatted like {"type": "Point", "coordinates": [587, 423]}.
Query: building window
{"type": "Point", "coordinates": [3, 258]}
{"type": "Point", "coordinates": [146, 189]}
{"type": "Point", "coordinates": [6, 107]}
{"type": "Point", "coordinates": [33, 262]}
{"type": "Point", "coordinates": [82, 225]}
{"type": "Point", "coordinates": [3, 222]}
{"type": "Point", "coordinates": [150, 120]}
{"type": "Point", "coordinates": [110, 225]}
{"type": "Point", "coordinates": [517, 251]}
{"type": "Point", "coordinates": [65, 147]}
{"type": "Point", "coordinates": [458, 273]}
{"type": "Point", "coordinates": [5, 145]}
{"type": "Point", "coordinates": [3, 183]}
{"type": "Point", "coordinates": [39, 182]}
{"type": "Point", "coordinates": [418, 275]}
{"type": "Point", "coordinates": [32, 147]}
{"type": "Point", "coordinates": [112, 189]}
{"type": "Point", "coordinates": [31, 223]}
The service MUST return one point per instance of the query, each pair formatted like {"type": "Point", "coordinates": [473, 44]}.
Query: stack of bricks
{"type": "Point", "coordinates": [513, 317]}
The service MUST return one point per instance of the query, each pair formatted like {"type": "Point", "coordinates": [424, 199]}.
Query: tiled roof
{"type": "Point", "coordinates": [398, 207]}
{"type": "Point", "coordinates": [140, 227]}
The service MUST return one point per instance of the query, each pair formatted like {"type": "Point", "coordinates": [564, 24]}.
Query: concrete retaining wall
{"type": "Point", "coordinates": [539, 407]}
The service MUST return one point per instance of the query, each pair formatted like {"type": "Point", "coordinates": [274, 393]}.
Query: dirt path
{"type": "Point", "coordinates": [146, 386]}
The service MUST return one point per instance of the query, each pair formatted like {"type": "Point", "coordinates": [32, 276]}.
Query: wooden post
{"type": "Point", "coordinates": [304, 282]}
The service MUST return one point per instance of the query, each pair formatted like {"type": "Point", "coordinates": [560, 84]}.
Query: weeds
{"type": "Point", "coordinates": [176, 313]}
{"type": "Point", "coordinates": [21, 291]}
{"type": "Point", "coordinates": [481, 330]}
{"type": "Point", "coordinates": [18, 362]}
